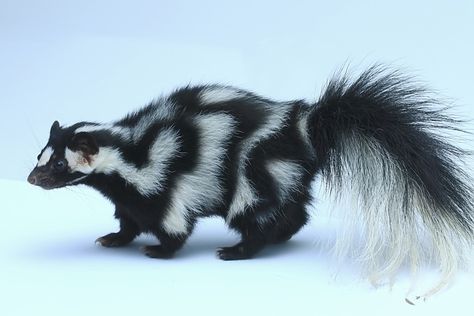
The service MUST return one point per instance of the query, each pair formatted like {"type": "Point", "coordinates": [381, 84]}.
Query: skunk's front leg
{"type": "Point", "coordinates": [127, 233]}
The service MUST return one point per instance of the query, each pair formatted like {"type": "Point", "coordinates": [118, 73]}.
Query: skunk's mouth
{"type": "Point", "coordinates": [49, 181]}
{"type": "Point", "coordinates": [47, 186]}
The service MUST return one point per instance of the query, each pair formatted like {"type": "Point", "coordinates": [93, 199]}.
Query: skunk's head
{"type": "Point", "coordinates": [65, 160]}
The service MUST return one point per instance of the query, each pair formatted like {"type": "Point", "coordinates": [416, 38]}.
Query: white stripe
{"type": "Point", "coordinates": [287, 175]}
{"type": "Point", "coordinates": [147, 180]}
{"type": "Point", "coordinates": [220, 94]}
{"type": "Point", "coordinates": [45, 156]}
{"type": "Point", "coordinates": [122, 132]}
{"type": "Point", "coordinates": [201, 189]}
{"type": "Point", "coordinates": [162, 110]}
{"type": "Point", "coordinates": [245, 196]}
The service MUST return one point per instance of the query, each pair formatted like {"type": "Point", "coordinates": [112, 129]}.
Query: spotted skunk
{"type": "Point", "coordinates": [218, 150]}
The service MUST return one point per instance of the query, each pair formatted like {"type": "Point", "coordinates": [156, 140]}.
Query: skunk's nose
{"type": "Point", "coordinates": [32, 179]}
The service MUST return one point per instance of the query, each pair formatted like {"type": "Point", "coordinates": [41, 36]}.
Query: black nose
{"type": "Point", "coordinates": [32, 179]}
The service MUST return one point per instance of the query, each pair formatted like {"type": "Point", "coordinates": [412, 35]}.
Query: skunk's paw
{"type": "Point", "coordinates": [113, 240]}
{"type": "Point", "coordinates": [232, 253]}
{"type": "Point", "coordinates": [157, 252]}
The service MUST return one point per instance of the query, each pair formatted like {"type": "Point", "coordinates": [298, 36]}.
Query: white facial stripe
{"type": "Point", "coordinates": [45, 156]}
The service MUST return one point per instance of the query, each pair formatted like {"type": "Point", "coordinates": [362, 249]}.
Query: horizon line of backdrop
{"type": "Point", "coordinates": [97, 61]}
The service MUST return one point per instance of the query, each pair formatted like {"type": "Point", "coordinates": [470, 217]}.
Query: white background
{"type": "Point", "coordinates": [98, 60]}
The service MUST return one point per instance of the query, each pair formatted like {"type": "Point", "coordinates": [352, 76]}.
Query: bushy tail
{"type": "Point", "coordinates": [381, 139]}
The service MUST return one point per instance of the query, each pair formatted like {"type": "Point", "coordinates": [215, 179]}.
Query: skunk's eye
{"type": "Point", "coordinates": [60, 165]}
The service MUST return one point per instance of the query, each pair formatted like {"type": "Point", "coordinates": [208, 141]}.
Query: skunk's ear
{"type": "Point", "coordinates": [54, 128]}
{"type": "Point", "coordinates": [84, 142]}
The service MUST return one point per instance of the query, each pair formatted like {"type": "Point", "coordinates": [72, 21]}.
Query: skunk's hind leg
{"type": "Point", "coordinates": [127, 233]}
{"type": "Point", "coordinates": [168, 246]}
{"type": "Point", "coordinates": [245, 249]}
{"type": "Point", "coordinates": [287, 222]}
{"type": "Point", "coordinates": [253, 240]}
{"type": "Point", "coordinates": [265, 226]}
{"type": "Point", "coordinates": [171, 238]}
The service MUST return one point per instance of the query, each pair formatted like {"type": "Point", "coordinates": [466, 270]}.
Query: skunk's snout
{"type": "Point", "coordinates": [38, 178]}
{"type": "Point", "coordinates": [41, 179]}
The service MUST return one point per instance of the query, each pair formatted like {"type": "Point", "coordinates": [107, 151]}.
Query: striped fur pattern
{"type": "Point", "coordinates": [218, 150]}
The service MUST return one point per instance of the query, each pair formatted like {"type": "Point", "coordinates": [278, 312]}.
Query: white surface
{"type": "Point", "coordinates": [50, 266]}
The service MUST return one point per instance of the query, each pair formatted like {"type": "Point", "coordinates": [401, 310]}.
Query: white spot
{"type": "Point", "coordinates": [302, 125]}
{"type": "Point", "coordinates": [287, 175]}
{"type": "Point", "coordinates": [201, 189]}
{"type": "Point", "coordinates": [245, 196]}
{"type": "Point", "coordinates": [45, 156]}
{"type": "Point", "coordinates": [77, 162]}
{"type": "Point", "coordinates": [220, 94]}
